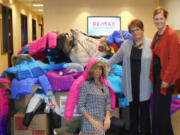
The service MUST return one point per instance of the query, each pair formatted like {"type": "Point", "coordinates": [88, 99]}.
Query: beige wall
{"type": "Point", "coordinates": [173, 7]}
{"type": "Point", "coordinates": [178, 33]}
{"type": "Point", "coordinates": [17, 10]}
{"type": "Point", "coordinates": [174, 13]}
{"type": "Point", "coordinates": [61, 15]}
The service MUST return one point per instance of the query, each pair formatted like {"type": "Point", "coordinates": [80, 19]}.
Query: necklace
{"type": "Point", "coordinates": [138, 46]}
{"type": "Point", "coordinates": [138, 43]}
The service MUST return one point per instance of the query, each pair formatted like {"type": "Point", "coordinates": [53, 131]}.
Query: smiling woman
{"type": "Point", "coordinates": [164, 72]}
{"type": "Point", "coordinates": [136, 28]}
{"type": "Point", "coordinates": [136, 57]}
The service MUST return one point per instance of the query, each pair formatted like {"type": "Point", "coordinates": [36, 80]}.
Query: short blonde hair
{"type": "Point", "coordinates": [159, 10]}
{"type": "Point", "coordinates": [102, 65]}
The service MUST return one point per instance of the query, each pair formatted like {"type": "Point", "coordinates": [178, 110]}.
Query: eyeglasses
{"type": "Point", "coordinates": [135, 30]}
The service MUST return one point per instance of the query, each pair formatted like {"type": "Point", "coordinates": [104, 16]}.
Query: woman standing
{"type": "Point", "coordinates": [94, 101]}
{"type": "Point", "coordinates": [164, 72]}
{"type": "Point", "coordinates": [136, 56]}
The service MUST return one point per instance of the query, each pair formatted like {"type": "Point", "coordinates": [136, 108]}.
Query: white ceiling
{"type": "Point", "coordinates": [28, 4]}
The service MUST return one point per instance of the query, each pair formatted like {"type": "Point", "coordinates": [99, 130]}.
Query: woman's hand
{"type": "Point", "coordinates": [164, 85]}
{"type": "Point", "coordinates": [107, 123]}
{"type": "Point", "coordinates": [97, 126]}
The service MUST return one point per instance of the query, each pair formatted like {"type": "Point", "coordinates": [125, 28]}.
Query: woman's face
{"type": "Point", "coordinates": [159, 21]}
{"type": "Point", "coordinates": [137, 33]}
{"type": "Point", "coordinates": [97, 72]}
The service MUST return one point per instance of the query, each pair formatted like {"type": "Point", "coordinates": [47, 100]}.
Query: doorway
{"type": "Point", "coordinates": [34, 29]}
{"type": "Point", "coordinates": [24, 31]}
{"type": "Point", "coordinates": [7, 33]}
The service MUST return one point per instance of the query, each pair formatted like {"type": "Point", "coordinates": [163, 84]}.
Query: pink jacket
{"type": "Point", "coordinates": [40, 45]}
{"type": "Point", "coordinates": [73, 94]}
{"type": "Point", "coordinates": [4, 107]}
{"type": "Point", "coordinates": [4, 80]}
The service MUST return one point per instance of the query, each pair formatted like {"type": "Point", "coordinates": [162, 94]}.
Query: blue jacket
{"type": "Point", "coordinates": [27, 66]}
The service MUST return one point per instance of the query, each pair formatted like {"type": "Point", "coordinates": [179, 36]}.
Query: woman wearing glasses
{"type": "Point", "coordinates": [136, 56]}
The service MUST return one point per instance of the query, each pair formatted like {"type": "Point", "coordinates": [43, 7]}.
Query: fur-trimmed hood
{"type": "Point", "coordinates": [17, 59]}
{"type": "Point", "coordinates": [73, 94]}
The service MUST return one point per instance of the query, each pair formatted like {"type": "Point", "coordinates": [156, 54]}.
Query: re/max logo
{"type": "Point", "coordinates": [97, 23]}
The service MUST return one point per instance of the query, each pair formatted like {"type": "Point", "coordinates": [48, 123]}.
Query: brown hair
{"type": "Point", "coordinates": [102, 65]}
{"type": "Point", "coordinates": [159, 10]}
{"type": "Point", "coordinates": [135, 23]}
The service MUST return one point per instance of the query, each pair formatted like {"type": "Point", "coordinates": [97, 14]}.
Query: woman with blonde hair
{"type": "Point", "coordinates": [164, 72]}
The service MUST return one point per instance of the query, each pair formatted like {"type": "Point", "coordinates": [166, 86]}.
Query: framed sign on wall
{"type": "Point", "coordinates": [103, 25]}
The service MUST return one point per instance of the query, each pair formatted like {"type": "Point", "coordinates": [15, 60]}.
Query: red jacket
{"type": "Point", "coordinates": [168, 49]}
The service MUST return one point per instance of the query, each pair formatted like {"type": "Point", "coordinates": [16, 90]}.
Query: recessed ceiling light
{"type": "Point", "coordinates": [37, 5]}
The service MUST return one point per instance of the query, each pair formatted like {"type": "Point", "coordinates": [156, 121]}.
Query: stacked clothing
{"type": "Point", "coordinates": [28, 73]}
{"type": "Point", "coordinates": [85, 47]}
{"type": "Point", "coordinates": [4, 105]}
{"type": "Point", "coordinates": [42, 102]}
{"type": "Point", "coordinates": [112, 43]}
{"type": "Point", "coordinates": [175, 105]}
{"type": "Point", "coordinates": [62, 80]}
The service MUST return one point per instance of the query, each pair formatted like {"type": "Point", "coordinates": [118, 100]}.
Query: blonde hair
{"type": "Point", "coordinates": [102, 65]}
{"type": "Point", "coordinates": [159, 10]}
